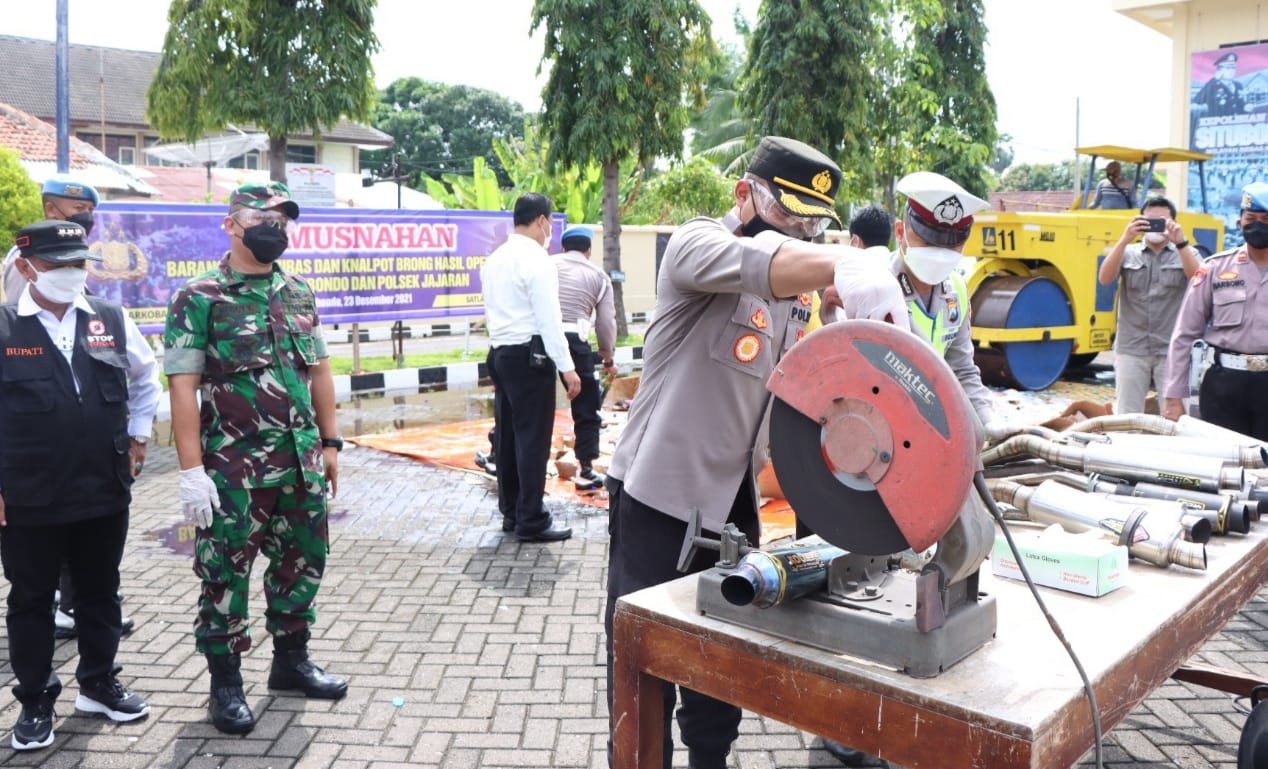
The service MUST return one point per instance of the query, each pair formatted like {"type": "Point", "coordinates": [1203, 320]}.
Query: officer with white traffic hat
{"type": "Point", "coordinates": [1226, 304]}
{"type": "Point", "coordinates": [930, 235]}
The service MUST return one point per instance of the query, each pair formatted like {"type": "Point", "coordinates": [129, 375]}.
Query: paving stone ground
{"type": "Point", "coordinates": [463, 649]}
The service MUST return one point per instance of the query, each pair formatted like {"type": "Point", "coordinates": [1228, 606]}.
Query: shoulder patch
{"type": "Point", "coordinates": [747, 348]}
{"type": "Point", "coordinates": [1198, 277]}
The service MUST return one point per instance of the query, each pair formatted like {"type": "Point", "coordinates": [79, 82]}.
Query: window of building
{"type": "Point", "coordinates": [127, 156]}
{"type": "Point", "coordinates": [301, 153]}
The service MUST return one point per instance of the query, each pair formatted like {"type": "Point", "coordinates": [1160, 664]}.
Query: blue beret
{"type": "Point", "coordinates": [1255, 197]}
{"type": "Point", "coordinates": [63, 186]}
{"type": "Point", "coordinates": [578, 231]}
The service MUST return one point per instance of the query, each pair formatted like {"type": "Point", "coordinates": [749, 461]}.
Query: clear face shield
{"type": "Point", "coordinates": [771, 211]}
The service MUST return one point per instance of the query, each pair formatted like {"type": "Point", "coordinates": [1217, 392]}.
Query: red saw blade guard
{"type": "Point", "coordinates": [885, 410]}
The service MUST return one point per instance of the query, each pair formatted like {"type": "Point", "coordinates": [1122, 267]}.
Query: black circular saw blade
{"type": "Point", "coordinates": [852, 519]}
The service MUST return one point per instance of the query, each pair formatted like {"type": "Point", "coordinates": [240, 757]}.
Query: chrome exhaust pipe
{"type": "Point", "coordinates": [1243, 456]}
{"type": "Point", "coordinates": [1166, 468]}
{"type": "Point", "coordinates": [1227, 514]}
{"type": "Point", "coordinates": [1148, 536]}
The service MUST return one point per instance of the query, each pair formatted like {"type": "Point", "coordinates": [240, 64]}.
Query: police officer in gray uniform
{"type": "Point", "coordinates": [732, 295]}
{"type": "Point", "coordinates": [586, 292]}
{"type": "Point", "coordinates": [1227, 305]}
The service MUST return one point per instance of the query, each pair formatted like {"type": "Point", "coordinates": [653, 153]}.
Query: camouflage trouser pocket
{"type": "Point", "coordinates": [209, 553]}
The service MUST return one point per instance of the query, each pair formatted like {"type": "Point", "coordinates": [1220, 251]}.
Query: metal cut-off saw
{"type": "Point", "coordinates": [875, 445]}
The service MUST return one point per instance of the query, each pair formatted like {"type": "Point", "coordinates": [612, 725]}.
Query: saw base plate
{"type": "Point", "coordinates": [882, 631]}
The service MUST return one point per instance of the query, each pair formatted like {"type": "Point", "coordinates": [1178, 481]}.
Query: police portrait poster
{"type": "Point", "coordinates": [364, 265]}
{"type": "Point", "coordinates": [1228, 118]}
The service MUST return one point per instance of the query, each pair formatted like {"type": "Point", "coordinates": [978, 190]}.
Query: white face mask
{"type": "Point", "coordinates": [1155, 238]}
{"type": "Point", "coordinates": [62, 285]}
{"type": "Point", "coordinates": [930, 264]}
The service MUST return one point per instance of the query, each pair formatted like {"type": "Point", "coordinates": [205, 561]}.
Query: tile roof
{"type": "Point", "coordinates": [110, 79]}
{"type": "Point", "coordinates": [36, 144]}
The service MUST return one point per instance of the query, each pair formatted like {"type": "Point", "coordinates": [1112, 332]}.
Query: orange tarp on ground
{"type": "Point", "coordinates": [455, 446]}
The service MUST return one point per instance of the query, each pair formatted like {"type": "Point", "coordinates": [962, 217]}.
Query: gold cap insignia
{"type": "Point", "coordinates": [822, 181]}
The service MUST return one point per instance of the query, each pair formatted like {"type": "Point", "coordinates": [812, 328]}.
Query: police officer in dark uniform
{"type": "Point", "coordinates": [1222, 94]}
{"type": "Point", "coordinates": [78, 385]}
{"type": "Point", "coordinates": [1227, 305]}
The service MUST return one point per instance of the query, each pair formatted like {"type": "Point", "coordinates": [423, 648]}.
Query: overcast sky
{"type": "Point", "coordinates": [1041, 57]}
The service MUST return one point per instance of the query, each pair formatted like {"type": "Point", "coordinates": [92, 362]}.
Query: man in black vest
{"type": "Point", "coordinates": [78, 387]}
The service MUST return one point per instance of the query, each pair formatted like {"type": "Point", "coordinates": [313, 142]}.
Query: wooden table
{"type": "Point", "coordinates": [1017, 702]}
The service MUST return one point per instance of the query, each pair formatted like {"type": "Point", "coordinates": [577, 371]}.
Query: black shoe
{"type": "Point", "coordinates": [546, 535]}
{"type": "Point", "coordinates": [486, 463]}
{"type": "Point", "coordinates": [293, 670]}
{"type": "Point", "coordinates": [34, 729]}
{"type": "Point", "coordinates": [228, 703]}
{"type": "Point", "coordinates": [849, 756]}
{"type": "Point", "coordinates": [112, 699]}
{"type": "Point", "coordinates": [63, 625]}
{"type": "Point", "coordinates": [587, 480]}
{"type": "Point", "coordinates": [126, 625]}
{"type": "Point", "coordinates": [508, 524]}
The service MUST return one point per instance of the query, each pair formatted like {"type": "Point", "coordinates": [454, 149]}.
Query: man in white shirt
{"type": "Point", "coordinates": [526, 348]}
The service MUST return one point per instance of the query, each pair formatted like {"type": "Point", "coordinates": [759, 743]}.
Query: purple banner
{"type": "Point", "coordinates": [365, 265]}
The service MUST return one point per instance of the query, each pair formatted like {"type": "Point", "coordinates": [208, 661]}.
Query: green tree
{"type": "Point", "coordinates": [1004, 154]}
{"type": "Point", "coordinates": [722, 129]}
{"type": "Point", "coordinates": [957, 123]}
{"type": "Point", "coordinates": [1064, 175]}
{"type": "Point", "coordinates": [620, 80]}
{"type": "Point", "coordinates": [687, 190]}
{"type": "Point", "coordinates": [807, 77]}
{"type": "Point", "coordinates": [19, 198]}
{"type": "Point", "coordinates": [442, 128]}
{"type": "Point", "coordinates": [284, 66]}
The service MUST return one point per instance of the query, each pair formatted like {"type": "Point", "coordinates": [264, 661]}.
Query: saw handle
{"type": "Point", "coordinates": [730, 548]}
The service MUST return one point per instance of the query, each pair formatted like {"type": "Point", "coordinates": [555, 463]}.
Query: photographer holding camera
{"type": "Point", "coordinates": [1152, 275]}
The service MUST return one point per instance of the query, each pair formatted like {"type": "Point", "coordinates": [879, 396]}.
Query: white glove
{"type": "Point", "coordinates": [869, 291]}
{"type": "Point", "coordinates": [999, 429]}
{"type": "Point", "coordinates": [199, 496]}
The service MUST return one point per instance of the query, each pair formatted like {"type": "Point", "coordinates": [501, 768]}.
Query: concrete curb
{"type": "Point", "coordinates": [453, 376]}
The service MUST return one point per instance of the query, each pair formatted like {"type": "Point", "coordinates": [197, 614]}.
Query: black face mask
{"type": "Point", "coordinates": [265, 242]}
{"type": "Point", "coordinates": [83, 220]}
{"type": "Point", "coordinates": [1256, 234]}
{"type": "Point", "coordinates": [755, 225]}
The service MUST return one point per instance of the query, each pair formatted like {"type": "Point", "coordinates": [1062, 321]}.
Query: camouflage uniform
{"type": "Point", "coordinates": [253, 340]}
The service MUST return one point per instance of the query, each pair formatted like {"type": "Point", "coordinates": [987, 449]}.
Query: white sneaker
{"type": "Point", "coordinates": [63, 625]}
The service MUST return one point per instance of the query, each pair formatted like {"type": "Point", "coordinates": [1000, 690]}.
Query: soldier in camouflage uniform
{"type": "Point", "coordinates": [258, 461]}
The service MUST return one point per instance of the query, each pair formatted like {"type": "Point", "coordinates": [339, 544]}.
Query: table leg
{"type": "Point", "coordinates": [638, 710]}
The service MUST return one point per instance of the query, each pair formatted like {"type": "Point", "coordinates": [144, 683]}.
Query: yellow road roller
{"type": "Point", "coordinates": [1037, 305]}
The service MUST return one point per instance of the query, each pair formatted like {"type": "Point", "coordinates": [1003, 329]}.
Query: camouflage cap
{"type": "Point", "coordinates": [265, 197]}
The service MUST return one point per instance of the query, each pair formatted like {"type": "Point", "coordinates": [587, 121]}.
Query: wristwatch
{"type": "Point", "coordinates": [1182, 245]}
{"type": "Point", "coordinates": [332, 443]}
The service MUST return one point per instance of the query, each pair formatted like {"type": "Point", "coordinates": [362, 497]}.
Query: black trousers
{"type": "Point", "coordinates": [523, 418]}
{"type": "Point", "coordinates": [585, 407]}
{"type": "Point", "coordinates": [643, 551]}
{"type": "Point", "coordinates": [1235, 399]}
{"type": "Point", "coordinates": [32, 557]}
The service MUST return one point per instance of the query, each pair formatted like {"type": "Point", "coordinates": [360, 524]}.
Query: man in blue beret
{"type": "Point", "coordinates": [1227, 306]}
{"type": "Point", "coordinates": [585, 293]}
{"type": "Point", "coordinates": [64, 199]}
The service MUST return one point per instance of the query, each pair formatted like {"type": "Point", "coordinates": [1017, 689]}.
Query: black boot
{"type": "Point", "coordinates": [228, 705]}
{"type": "Point", "coordinates": [293, 670]}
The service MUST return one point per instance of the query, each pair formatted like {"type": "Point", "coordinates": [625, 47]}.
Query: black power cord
{"type": "Point", "coordinates": [979, 483]}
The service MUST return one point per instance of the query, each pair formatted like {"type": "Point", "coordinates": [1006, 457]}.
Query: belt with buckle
{"type": "Point", "coordinates": [1239, 362]}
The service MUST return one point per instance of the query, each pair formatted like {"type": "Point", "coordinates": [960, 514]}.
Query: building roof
{"type": "Point", "coordinates": [36, 144]}
{"type": "Point", "coordinates": [112, 81]}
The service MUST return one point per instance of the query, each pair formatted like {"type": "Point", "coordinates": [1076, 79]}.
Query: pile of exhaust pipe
{"type": "Point", "coordinates": [1158, 487]}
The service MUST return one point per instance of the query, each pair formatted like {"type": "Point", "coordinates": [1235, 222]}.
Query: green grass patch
{"type": "Point", "coordinates": [423, 360]}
